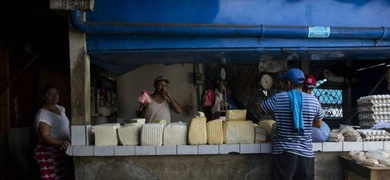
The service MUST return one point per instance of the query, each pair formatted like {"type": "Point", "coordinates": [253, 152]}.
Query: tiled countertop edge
{"type": "Point", "coordinates": [91, 150]}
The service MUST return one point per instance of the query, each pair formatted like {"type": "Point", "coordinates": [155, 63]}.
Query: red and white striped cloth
{"type": "Point", "coordinates": [53, 163]}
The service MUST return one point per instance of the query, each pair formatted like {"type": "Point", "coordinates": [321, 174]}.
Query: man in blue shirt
{"type": "Point", "coordinates": [295, 114]}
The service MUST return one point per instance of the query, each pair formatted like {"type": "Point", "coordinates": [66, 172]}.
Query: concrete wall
{"type": "Point", "coordinates": [181, 86]}
{"type": "Point", "coordinates": [215, 167]}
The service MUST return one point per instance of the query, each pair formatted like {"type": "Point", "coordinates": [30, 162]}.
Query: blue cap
{"type": "Point", "coordinates": [294, 75]}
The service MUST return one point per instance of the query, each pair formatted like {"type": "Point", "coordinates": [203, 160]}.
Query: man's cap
{"type": "Point", "coordinates": [160, 78]}
{"type": "Point", "coordinates": [310, 81]}
{"type": "Point", "coordinates": [294, 75]}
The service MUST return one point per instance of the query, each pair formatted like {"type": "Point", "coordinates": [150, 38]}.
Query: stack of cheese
{"type": "Point", "coordinates": [269, 126]}
{"type": "Point", "coordinates": [260, 134]}
{"type": "Point", "coordinates": [106, 134]}
{"type": "Point", "coordinates": [236, 129]}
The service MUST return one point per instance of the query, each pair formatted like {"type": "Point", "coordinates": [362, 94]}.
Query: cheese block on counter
{"type": "Point", "coordinates": [239, 132]}
{"type": "Point", "coordinates": [152, 134]}
{"type": "Point", "coordinates": [175, 134]}
{"type": "Point", "coordinates": [236, 115]}
{"type": "Point", "coordinates": [197, 133]}
{"type": "Point", "coordinates": [260, 134]}
{"type": "Point", "coordinates": [268, 125]}
{"type": "Point", "coordinates": [214, 132]}
{"type": "Point", "coordinates": [106, 134]}
{"type": "Point", "coordinates": [138, 120]}
{"type": "Point", "coordinates": [162, 121]}
{"type": "Point", "coordinates": [200, 114]}
{"type": "Point", "coordinates": [129, 134]}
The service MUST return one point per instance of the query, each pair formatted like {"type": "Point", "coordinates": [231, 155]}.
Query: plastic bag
{"type": "Point", "coordinates": [209, 98]}
{"type": "Point", "coordinates": [321, 134]}
{"type": "Point", "coordinates": [144, 97]}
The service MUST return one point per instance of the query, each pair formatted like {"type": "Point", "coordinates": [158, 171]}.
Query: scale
{"type": "Point", "coordinates": [223, 74]}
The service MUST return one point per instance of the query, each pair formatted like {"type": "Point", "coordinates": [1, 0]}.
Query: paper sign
{"type": "Point", "coordinates": [319, 32]}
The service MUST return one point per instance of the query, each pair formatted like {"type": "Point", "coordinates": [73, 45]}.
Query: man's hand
{"type": "Point", "coordinates": [145, 104]}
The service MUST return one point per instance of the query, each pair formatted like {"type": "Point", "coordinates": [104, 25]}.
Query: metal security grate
{"type": "Point", "coordinates": [331, 101]}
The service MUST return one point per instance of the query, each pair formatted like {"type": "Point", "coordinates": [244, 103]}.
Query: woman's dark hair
{"type": "Point", "coordinates": [46, 88]}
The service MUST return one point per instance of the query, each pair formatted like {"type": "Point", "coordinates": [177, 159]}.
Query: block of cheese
{"type": "Point", "coordinates": [197, 131]}
{"type": "Point", "coordinates": [200, 114]}
{"type": "Point", "coordinates": [175, 134]}
{"type": "Point", "coordinates": [162, 121]}
{"type": "Point", "coordinates": [224, 130]}
{"type": "Point", "coordinates": [239, 132]}
{"type": "Point", "coordinates": [152, 134]}
{"type": "Point", "coordinates": [214, 132]}
{"type": "Point", "coordinates": [129, 134]}
{"type": "Point", "coordinates": [106, 134]}
{"type": "Point", "coordinates": [236, 115]}
{"type": "Point", "coordinates": [268, 125]}
{"type": "Point", "coordinates": [260, 134]}
{"type": "Point", "coordinates": [138, 120]}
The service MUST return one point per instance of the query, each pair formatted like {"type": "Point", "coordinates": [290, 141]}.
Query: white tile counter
{"type": "Point", "coordinates": [80, 140]}
{"type": "Point", "coordinates": [91, 150]}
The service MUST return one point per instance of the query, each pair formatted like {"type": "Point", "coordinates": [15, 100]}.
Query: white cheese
{"type": "Point", "coordinates": [152, 134]}
{"type": "Point", "coordinates": [175, 134]}
{"type": "Point", "coordinates": [260, 134]}
{"type": "Point", "coordinates": [239, 132]}
{"type": "Point", "coordinates": [162, 121]}
{"type": "Point", "coordinates": [129, 135]}
{"type": "Point", "coordinates": [224, 130]}
{"type": "Point", "coordinates": [200, 114]}
{"type": "Point", "coordinates": [214, 132]}
{"type": "Point", "coordinates": [268, 125]}
{"type": "Point", "coordinates": [197, 131]}
{"type": "Point", "coordinates": [106, 134]}
{"type": "Point", "coordinates": [236, 115]}
{"type": "Point", "coordinates": [138, 120]}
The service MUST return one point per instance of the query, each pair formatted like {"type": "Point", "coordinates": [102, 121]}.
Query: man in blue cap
{"type": "Point", "coordinates": [161, 103]}
{"type": "Point", "coordinates": [295, 114]}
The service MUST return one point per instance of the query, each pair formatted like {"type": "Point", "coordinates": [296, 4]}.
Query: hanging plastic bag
{"type": "Point", "coordinates": [144, 97]}
{"type": "Point", "coordinates": [209, 98]}
{"type": "Point", "coordinates": [321, 134]}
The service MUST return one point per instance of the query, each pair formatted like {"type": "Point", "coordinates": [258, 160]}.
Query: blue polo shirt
{"type": "Point", "coordinates": [286, 137]}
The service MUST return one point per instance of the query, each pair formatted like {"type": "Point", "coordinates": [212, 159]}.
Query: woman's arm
{"type": "Point", "coordinates": [44, 131]}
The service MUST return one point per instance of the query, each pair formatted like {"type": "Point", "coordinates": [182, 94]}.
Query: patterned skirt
{"type": "Point", "coordinates": [53, 163]}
